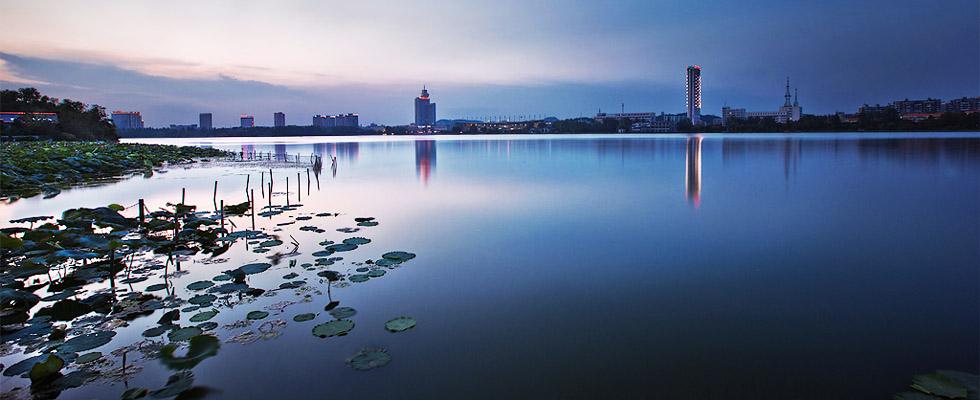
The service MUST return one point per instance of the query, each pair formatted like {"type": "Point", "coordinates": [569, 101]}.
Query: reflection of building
{"type": "Point", "coordinates": [280, 151]}
{"type": "Point", "coordinates": [248, 121]}
{"type": "Point", "coordinates": [692, 170]}
{"type": "Point", "coordinates": [204, 121]}
{"type": "Point", "coordinates": [341, 150]}
{"type": "Point", "coordinates": [279, 119]}
{"type": "Point", "coordinates": [425, 110]}
{"type": "Point", "coordinates": [425, 159]}
{"type": "Point", "coordinates": [694, 94]}
{"type": "Point", "coordinates": [127, 119]}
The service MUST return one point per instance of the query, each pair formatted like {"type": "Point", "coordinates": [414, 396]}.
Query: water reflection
{"type": "Point", "coordinates": [425, 159]}
{"type": "Point", "coordinates": [692, 167]}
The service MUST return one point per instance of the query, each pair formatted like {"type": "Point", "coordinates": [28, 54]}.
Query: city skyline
{"type": "Point", "coordinates": [568, 67]}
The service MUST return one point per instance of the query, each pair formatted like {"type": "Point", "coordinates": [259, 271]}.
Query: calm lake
{"type": "Point", "coordinates": [807, 266]}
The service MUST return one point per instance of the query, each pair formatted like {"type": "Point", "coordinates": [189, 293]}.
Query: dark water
{"type": "Point", "coordinates": [673, 267]}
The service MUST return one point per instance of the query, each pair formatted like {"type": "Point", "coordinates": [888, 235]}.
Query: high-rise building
{"type": "Point", "coordinates": [248, 121]}
{"type": "Point", "coordinates": [280, 119]}
{"type": "Point", "coordinates": [127, 120]}
{"type": "Point", "coordinates": [204, 121]}
{"type": "Point", "coordinates": [425, 110]}
{"type": "Point", "coordinates": [330, 121]}
{"type": "Point", "coordinates": [694, 94]}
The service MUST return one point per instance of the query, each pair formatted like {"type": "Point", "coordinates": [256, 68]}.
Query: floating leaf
{"type": "Point", "coordinates": [255, 268]}
{"type": "Point", "coordinates": [341, 247]}
{"type": "Point", "coordinates": [182, 334]}
{"type": "Point", "coordinates": [176, 384]}
{"type": "Point", "coordinates": [376, 273]}
{"type": "Point", "coordinates": [202, 299]}
{"type": "Point", "coordinates": [222, 277]}
{"type": "Point", "coordinates": [88, 357]}
{"type": "Point", "coordinates": [331, 276]}
{"type": "Point", "coordinates": [200, 285]}
{"type": "Point", "coordinates": [398, 256]}
{"type": "Point", "coordinates": [201, 347]}
{"type": "Point", "coordinates": [304, 317]}
{"type": "Point", "coordinates": [47, 369]}
{"type": "Point", "coordinates": [337, 327]}
{"type": "Point", "coordinates": [368, 223]}
{"type": "Point", "coordinates": [204, 316]}
{"type": "Point", "coordinates": [400, 324]}
{"type": "Point", "coordinates": [290, 275]}
{"type": "Point", "coordinates": [157, 330]}
{"type": "Point", "coordinates": [343, 312]}
{"type": "Point", "coordinates": [358, 278]}
{"type": "Point", "coordinates": [86, 342]}
{"type": "Point", "coordinates": [254, 315]}
{"type": "Point", "coordinates": [939, 385]}
{"type": "Point", "coordinates": [357, 241]}
{"type": "Point", "coordinates": [270, 243]}
{"type": "Point", "coordinates": [368, 359]}
{"type": "Point", "coordinates": [207, 326]}
{"type": "Point", "coordinates": [156, 287]}
{"type": "Point", "coordinates": [134, 393]}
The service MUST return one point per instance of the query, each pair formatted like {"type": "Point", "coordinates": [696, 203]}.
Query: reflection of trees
{"type": "Point", "coordinates": [425, 159]}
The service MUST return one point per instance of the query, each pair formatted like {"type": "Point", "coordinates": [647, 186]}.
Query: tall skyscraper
{"type": "Point", "coordinates": [127, 119]}
{"type": "Point", "coordinates": [425, 111]}
{"type": "Point", "coordinates": [248, 121]}
{"type": "Point", "coordinates": [280, 119]}
{"type": "Point", "coordinates": [204, 121]}
{"type": "Point", "coordinates": [694, 94]}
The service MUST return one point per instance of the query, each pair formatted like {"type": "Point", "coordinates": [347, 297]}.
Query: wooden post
{"type": "Point", "coordinates": [262, 186]}
{"type": "Point", "coordinates": [222, 214]}
{"type": "Point", "coordinates": [270, 179]}
{"type": "Point", "coordinates": [287, 190]}
{"type": "Point", "coordinates": [252, 202]}
{"type": "Point", "coordinates": [299, 188]}
{"type": "Point", "coordinates": [183, 195]}
{"type": "Point", "coordinates": [247, 179]}
{"type": "Point", "coordinates": [307, 181]}
{"type": "Point", "coordinates": [142, 207]}
{"type": "Point", "coordinates": [270, 198]}
{"type": "Point", "coordinates": [215, 197]}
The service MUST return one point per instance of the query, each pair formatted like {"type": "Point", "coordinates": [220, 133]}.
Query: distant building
{"type": "Point", "coordinates": [204, 121]}
{"type": "Point", "coordinates": [632, 116]}
{"type": "Point", "coordinates": [247, 121]}
{"type": "Point", "coordinates": [11, 116]}
{"type": "Point", "coordinates": [127, 120]}
{"type": "Point", "coordinates": [964, 105]}
{"type": "Point", "coordinates": [347, 120]}
{"type": "Point", "coordinates": [927, 106]}
{"type": "Point", "coordinates": [693, 94]}
{"type": "Point", "coordinates": [425, 110]}
{"type": "Point", "coordinates": [191, 127]}
{"type": "Point", "coordinates": [330, 121]}
{"type": "Point", "coordinates": [790, 111]}
{"type": "Point", "coordinates": [280, 119]}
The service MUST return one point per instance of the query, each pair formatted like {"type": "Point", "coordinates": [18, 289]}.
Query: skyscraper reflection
{"type": "Point", "coordinates": [425, 159]}
{"type": "Point", "coordinates": [693, 170]}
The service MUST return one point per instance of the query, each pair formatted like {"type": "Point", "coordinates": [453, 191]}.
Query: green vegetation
{"type": "Point", "coordinates": [31, 168]}
{"type": "Point", "coordinates": [76, 120]}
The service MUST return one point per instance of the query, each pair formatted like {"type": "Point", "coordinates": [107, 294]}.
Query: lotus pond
{"type": "Point", "coordinates": [668, 266]}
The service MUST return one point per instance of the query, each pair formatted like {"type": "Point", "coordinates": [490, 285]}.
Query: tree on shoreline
{"type": "Point", "coordinates": [76, 120]}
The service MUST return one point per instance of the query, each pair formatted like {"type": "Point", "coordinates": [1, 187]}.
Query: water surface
{"type": "Point", "coordinates": [808, 266]}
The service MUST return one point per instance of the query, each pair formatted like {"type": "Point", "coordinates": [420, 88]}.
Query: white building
{"type": "Point", "coordinates": [790, 111]}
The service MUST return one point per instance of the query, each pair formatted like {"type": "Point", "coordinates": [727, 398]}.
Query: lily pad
{"type": "Point", "coordinates": [322, 253]}
{"type": "Point", "coordinates": [376, 273]}
{"type": "Point", "coordinates": [255, 268]}
{"type": "Point", "coordinates": [202, 299]}
{"type": "Point", "coordinates": [176, 384]}
{"type": "Point", "coordinates": [156, 287]}
{"type": "Point", "coordinates": [331, 276]}
{"type": "Point", "coordinates": [222, 277]}
{"type": "Point", "coordinates": [368, 223]}
{"type": "Point", "coordinates": [134, 393]}
{"type": "Point", "coordinates": [400, 324]}
{"type": "Point", "coordinates": [398, 256]}
{"type": "Point", "coordinates": [358, 278]}
{"type": "Point", "coordinates": [341, 247]}
{"type": "Point", "coordinates": [46, 369]}
{"type": "Point", "coordinates": [270, 243]}
{"type": "Point", "coordinates": [88, 357]}
{"type": "Point", "coordinates": [343, 312]}
{"type": "Point", "coordinates": [200, 285]}
{"type": "Point", "coordinates": [204, 316]}
{"type": "Point", "coordinates": [337, 327]}
{"type": "Point", "coordinates": [368, 359]}
{"type": "Point", "coordinates": [201, 347]}
{"type": "Point", "coordinates": [157, 330]}
{"type": "Point", "coordinates": [255, 315]}
{"type": "Point", "coordinates": [290, 275]}
{"type": "Point", "coordinates": [86, 342]}
{"type": "Point", "coordinates": [939, 385]}
{"type": "Point", "coordinates": [182, 334]}
{"type": "Point", "coordinates": [304, 317]}
{"type": "Point", "coordinates": [357, 241]}
{"type": "Point", "coordinates": [207, 326]}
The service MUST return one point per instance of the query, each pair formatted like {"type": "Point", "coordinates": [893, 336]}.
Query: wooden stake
{"type": "Point", "coordinates": [222, 214]}
{"type": "Point", "coordinates": [215, 197]}
{"type": "Point", "coordinates": [252, 202]}
{"type": "Point", "coordinates": [183, 195]}
{"type": "Point", "coordinates": [142, 207]}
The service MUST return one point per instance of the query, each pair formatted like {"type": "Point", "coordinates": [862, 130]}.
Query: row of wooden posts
{"type": "Point", "coordinates": [219, 205]}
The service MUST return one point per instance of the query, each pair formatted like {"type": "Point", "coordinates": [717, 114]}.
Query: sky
{"type": "Point", "coordinates": [172, 60]}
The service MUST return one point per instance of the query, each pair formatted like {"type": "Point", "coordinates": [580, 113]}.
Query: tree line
{"type": "Point", "coordinates": [76, 120]}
